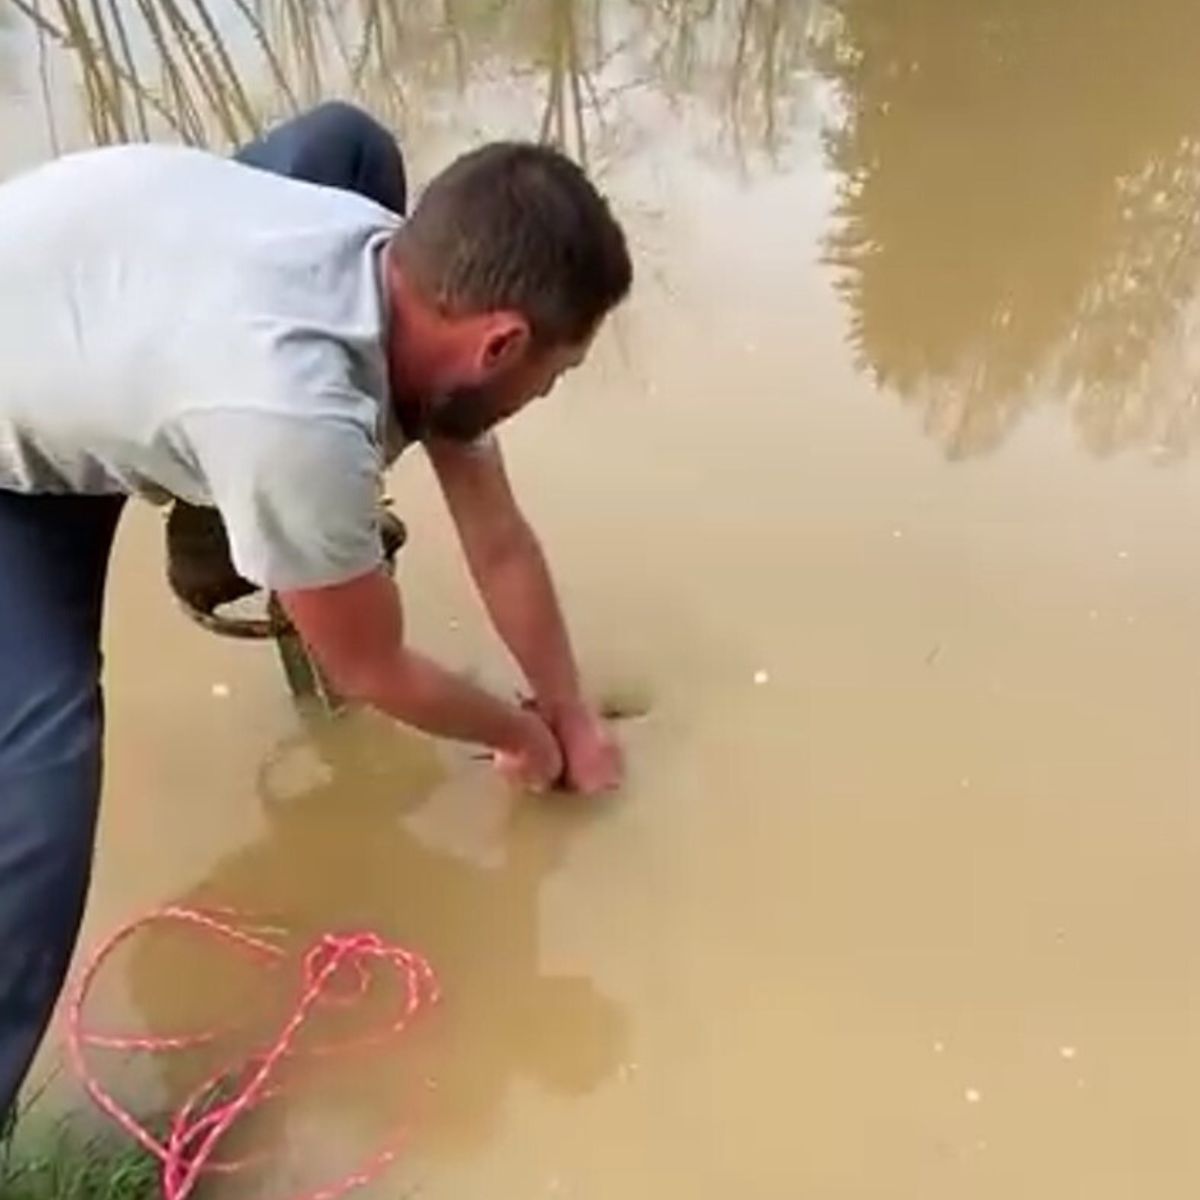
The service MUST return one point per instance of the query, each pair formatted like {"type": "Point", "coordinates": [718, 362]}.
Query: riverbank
{"type": "Point", "coordinates": [63, 1162]}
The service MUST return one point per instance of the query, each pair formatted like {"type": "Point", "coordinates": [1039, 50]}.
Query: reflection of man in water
{"type": "Point", "coordinates": [177, 325]}
{"type": "Point", "coordinates": [341, 846]}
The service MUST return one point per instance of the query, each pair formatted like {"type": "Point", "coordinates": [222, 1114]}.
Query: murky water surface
{"type": "Point", "coordinates": [881, 489]}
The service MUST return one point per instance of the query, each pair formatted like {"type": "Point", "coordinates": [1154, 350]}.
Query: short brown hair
{"type": "Point", "coordinates": [514, 225]}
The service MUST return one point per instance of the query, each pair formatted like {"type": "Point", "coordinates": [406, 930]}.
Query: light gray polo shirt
{"type": "Point", "coordinates": [172, 323]}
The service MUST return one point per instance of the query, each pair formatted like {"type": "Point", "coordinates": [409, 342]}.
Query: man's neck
{"type": "Point", "coordinates": [418, 351]}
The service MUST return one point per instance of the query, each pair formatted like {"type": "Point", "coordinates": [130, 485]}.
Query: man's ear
{"type": "Point", "coordinates": [505, 342]}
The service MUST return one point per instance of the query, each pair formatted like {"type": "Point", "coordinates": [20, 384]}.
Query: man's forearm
{"type": "Point", "coordinates": [356, 631]}
{"type": "Point", "coordinates": [520, 597]}
{"type": "Point", "coordinates": [417, 691]}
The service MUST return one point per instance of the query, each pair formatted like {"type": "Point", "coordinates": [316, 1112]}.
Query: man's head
{"type": "Point", "coordinates": [500, 279]}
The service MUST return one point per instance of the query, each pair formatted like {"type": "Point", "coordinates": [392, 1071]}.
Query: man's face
{"type": "Point", "coordinates": [467, 413]}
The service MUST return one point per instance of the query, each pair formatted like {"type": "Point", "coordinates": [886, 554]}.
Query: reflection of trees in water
{"type": "Point", "coordinates": [1017, 210]}
{"type": "Point", "coordinates": [1018, 181]}
{"type": "Point", "coordinates": [1137, 372]}
{"type": "Point", "coordinates": [216, 72]}
{"type": "Point", "coordinates": [564, 95]}
{"type": "Point", "coordinates": [214, 75]}
{"type": "Point", "coordinates": [745, 58]}
{"type": "Point", "coordinates": [147, 66]}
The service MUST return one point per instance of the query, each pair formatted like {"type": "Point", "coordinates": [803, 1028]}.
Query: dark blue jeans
{"type": "Point", "coordinates": [54, 553]}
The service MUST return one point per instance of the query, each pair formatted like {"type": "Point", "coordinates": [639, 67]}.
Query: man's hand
{"type": "Point", "coordinates": [538, 764]}
{"type": "Point", "coordinates": [594, 762]}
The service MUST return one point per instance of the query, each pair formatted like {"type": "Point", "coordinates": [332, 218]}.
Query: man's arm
{"type": "Point", "coordinates": [299, 499]}
{"type": "Point", "coordinates": [356, 631]}
{"type": "Point", "coordinates": [509, 568]}
{"type": "Point", "coordinates": [514, 581]}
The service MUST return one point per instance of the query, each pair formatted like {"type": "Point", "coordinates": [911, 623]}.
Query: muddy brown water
{"type": "Point", "coordinates": [882, 489]}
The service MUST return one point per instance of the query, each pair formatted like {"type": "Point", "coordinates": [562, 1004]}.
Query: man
{"type": "Point", "coordinates": [206, 332]}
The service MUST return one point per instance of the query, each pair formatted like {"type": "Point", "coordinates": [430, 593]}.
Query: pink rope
{"type": "Point", "coordinates": [214, 1107]}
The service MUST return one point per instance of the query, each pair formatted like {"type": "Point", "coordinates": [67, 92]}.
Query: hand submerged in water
{"type": "Point", "coordinates": [573, 749]}
{"type": "Point", "coordinates": [536, 762]}
{"type": "Point", "coordinates": [593, 762]}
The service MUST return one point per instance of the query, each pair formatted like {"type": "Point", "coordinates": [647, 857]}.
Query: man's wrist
{"type": "Point", "coordinates": [554, 709]}
{"type": "Point", "coordinates": [422, 693]}
{"type": "Point", "coordinates": [569, 718]}
{"type": "Point", "coordinates": [517, 735]}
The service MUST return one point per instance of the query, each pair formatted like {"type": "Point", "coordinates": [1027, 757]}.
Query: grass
{"type": "Point", "coordinates": [63, 1163]}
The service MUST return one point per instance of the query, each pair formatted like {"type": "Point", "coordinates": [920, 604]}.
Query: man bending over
{"type": "Point", "coordinates": [221, 336]}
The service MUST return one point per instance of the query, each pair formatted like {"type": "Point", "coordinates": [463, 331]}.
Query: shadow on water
{"type": "Point", "coordinates": [337, 849]}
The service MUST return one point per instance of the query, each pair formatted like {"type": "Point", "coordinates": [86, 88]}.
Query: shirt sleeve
{"type": "Point", "coordinates": [299, 498]}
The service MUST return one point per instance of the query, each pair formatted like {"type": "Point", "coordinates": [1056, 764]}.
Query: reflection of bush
{"type": "Point", "coordinates": [1016, 209]}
